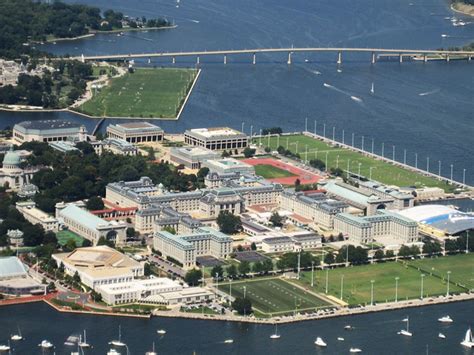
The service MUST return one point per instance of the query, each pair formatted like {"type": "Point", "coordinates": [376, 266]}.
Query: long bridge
{"type": "Point", "coordinates": [422, 54]}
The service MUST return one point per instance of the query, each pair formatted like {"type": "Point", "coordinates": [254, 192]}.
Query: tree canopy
{"type": "Point", "coordinates": [229, 223]}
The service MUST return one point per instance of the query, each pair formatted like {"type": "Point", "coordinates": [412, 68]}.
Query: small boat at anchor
{"type": "Point", "coordinates": [320, 342]}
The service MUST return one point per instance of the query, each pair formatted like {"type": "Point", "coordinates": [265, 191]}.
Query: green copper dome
{"type": "Point", "coordinates": [11, 158]}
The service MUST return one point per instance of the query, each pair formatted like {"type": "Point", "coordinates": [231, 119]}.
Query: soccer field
{"type": "Point", "coordinates": [274, 296]}
{"type": "Point", "coordinates": [339, 157]}
{"type": "Point", "coordinates": [271, 172]}
{"type": "Point", "coordinates": [461, 267]}
{"type": "Point", "coordinates": [356, 283]}
{"type": "Point", "coordinates": [147, 93]}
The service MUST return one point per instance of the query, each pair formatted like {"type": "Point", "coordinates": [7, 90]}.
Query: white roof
{"type": "Point", "coordinates": [11, 266]}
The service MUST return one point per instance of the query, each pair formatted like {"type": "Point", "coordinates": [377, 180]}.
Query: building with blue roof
{"type": "Point", "coordinates": [14, 278]}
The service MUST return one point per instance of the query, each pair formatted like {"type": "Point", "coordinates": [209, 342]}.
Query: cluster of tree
{"type": "Point", "coordinates": [22, 21]}
{"type": "Point", "coordinates": [288, 153]}
{"type": "Point", "coordinates": [276, 219]}
{"type": "Point", "coordinates": [460, 244]}
{"type": "Point", "coordinates": [272, 130]}
{"type": "Point", "coordinates": [228, 223]}
{"type": "Point", "coordinates": [318, 164]}
{"type": "Point", "coordinates": [431, 248]}
{"type": "Point", "coordinates": [82, 174]}
{"type": "Point", "coordinates": [115, 20]}
{"type": "Point", "coordinates": [379, 254]}
{"type": "Point", "coordinates": [193, 277]}
{"type": "Point", "coordinates": [242, 306]}
{"type": "Point", "coordinates": [56, 89]}
{"type": "Point", "coordinates": [226, 154]}
{"type": "Point", "coordinates": [406, 251]}
{"type": "Point", "coordinates": [290, 260]}
{"type": "Point", "coordinates": [352, 254]}
{"type": "Point", "coordinates": [249, 152]}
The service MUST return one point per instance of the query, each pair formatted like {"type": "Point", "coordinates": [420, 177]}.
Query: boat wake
{"type": "Point", "coordinates": [429, 92]}
{"type": "Point", "coordinates": [356, 99]}
{"type": "Point", "coordinates": [195, 21]}
{"type": "Point", "coordinates": [332, 87]}
{"type": "Point", "coordinates": [315, 72]}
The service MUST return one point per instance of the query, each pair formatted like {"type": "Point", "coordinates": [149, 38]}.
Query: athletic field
{"type": "Point", "coordinates": [271, 172]}
{"type": "Point", "coordinates": [356, 283]}
{"type": "Point", "coordinates": [147, 93]}
{"type": "Point", "coordinates": [461, 267]}
{"type": "Point", "coordinates": [340, 157]}
{"type": "Point", "coordinates": [274, 296]}
{"type": "Point", "coordinates": [64, 235]}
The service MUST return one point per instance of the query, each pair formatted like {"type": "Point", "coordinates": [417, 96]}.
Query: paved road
{"type": "Point", "coordinates": [166, 266]}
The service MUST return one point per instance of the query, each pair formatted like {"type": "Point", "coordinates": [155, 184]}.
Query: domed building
{"type": "Point", "coordinates": [11, 173]}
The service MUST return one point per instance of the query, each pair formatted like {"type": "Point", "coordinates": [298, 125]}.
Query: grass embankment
{"type": "Point", "coordinates": [357, 280]}
{"type": "Point", "coordinates": [382, 171]}
{"type": "Point", "coordinates": [272, 296]}
{"type": "Point", "coordinates": [147, 93]}
{"type": "Point", "coordinates": [271, 172]}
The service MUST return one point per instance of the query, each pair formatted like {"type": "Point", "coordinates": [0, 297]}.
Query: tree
{"type": "Point", "coordinates": [169, 229]}
{"type": "Point", "coordinates": [76, 278]}
{"type": "Point", "coordinates": [243, 306]}
{"type": "Point", "coordinates": [96, 297]}
{"type": "Point", "coordinates": [130, 233]}
{"type": "Point", "coordinates": [297, 184]}
{"type": "Point", "coordinates": [228, 223]}
{"type": "Point", "coordinates": [70, 245]}
{"type": "Point", "coordinates": [431, 248]}
{"type": "Point", "coordinates": [257, 267]}
{"type": "Point", "coordinates": [217, 270]}
{"type": "Point", "coordinates": [379, 254]}
{"type": "Point", "coordinates": [244, 267]}
{"type": "Point", "coordinates": [318, 164]}
{"type": "Point", "coordinates": [225, 154]}
{"type": "Point", "coordinates": [329, 258]}
{"type": "Point", "coordinates": [51, 287]}
{"type": "Point", "coordinates": [389, 254]}
{"type": "Point", "coordinates": [193, 277]}
{"type": "Point", "coordinates": [253, 246]}
{"type": "Point", "coordinates": [276, 219]}
{"type": "Point", "coordinates": [231, 271]}
{"type": "Point", "coordinates": [267, 265]}
{"type": "Point", "coordinates": [147, 269]}
{"type": "Point", "coordinates": [404, 251]}
{"type": "Point", "coordinates": [249, 152]}
{"type": "Point", "coordinates": [94, 204]}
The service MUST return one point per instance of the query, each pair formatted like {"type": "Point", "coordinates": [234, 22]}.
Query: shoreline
{"type": "Point", "coordinates": [469, 11]}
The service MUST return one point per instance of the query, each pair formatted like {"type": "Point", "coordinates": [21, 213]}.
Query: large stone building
{"type": "Point", "coordinates": [192, 157]}
{"type": "Point", "coordinates": [136, 132]}
{"type": "Point", "coordinates": [367, 229]}
{"type": "Point", "coordinates": [185, 248]}
{"type": "Point", "coordinates": [11, 173]}
{"type": "Point", "coordinates": [35, 216]}
{"type": "Point", "coordinates": [89, 226]}
{"type": "Point", "coordinates": [49, 131]}
{"type": "Point", "coordinates": [100, 265]}
{"type": "Point", "coordinates": [229, 166]}
{"type": "Point", "coordinates": [314, 206]}
{"type": "Point", "coordinates": [220, 138]}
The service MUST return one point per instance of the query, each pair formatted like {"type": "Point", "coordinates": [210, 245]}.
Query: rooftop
{"type": "Point", "coordinates": [11, 267]}
{"type": "Point", "coordinates": [84, 217]}
{"type": "Point", "coordinates": [48, 124]}
{"type": "Point", "coordinates": [277, 240]}
{"type": "Point", "coordinates": [194, 151]}
{"type": "Point", "coordinates": [215, 132]}
{"type": "Point", "coordinates": [135, 126]}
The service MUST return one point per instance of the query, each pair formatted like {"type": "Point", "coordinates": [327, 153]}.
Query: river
{"type": "Point", "coordinates": [423, 108]}
{"type": "Point", "coordinates": [374, 333]}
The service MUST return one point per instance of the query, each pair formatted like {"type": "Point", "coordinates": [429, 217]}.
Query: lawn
{"type": "Point", "coordinates": [65, 235]}
{"type": "Point", "coordinates": [461, 267]}
{"type": "Point", "coordinates": [271, 172]}
{"type": "Point", "coordinates": [147, 93]}
{"type": "Point", "coordinates": [274, 296]}
{"type": "Point", "coordinates": [357, 283]}
{"type": "Point", "coordinates": [339, 157]}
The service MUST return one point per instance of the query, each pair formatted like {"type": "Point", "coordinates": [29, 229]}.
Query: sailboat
{"type": "Point", "coordinates": [372, 89]}
{"type": "Point", "coordinates": [119, 341]}
{"type": "Point", "coordinates": [442, 336]}
{"type": "Point", "coordinates": [161, 331]}
{"type": "Point", "coordinates": [45, 344]}
{"type": "Point", "coordinates": [406, 332]}
{"type": "Point", "coordinates": [320, 342]}
{"type": "Point", "coordinates": [113, 352]}
{"type": "Point", "coordinates": [152, 352]}
{"type": "Point", "coordinates": [17, 337]}
{"type": "Point", "coordinates": [468, 340]}
{"type": "Point", "coordinates": [275, 335]}
{"type": "Point", "coordinates": [445, 319]}
{"type": "Point", "coordinates": [355, 350]}
{"type": "Point", "coordinates": [5, 347]}
{"type": "Point", "coordinates": [83, 342]}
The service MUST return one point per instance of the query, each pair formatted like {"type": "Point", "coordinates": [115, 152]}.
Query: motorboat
{"type": "Point", "coordinates": [18, 336]}
{"type": "Point", "coordinates": [83, 341]}
{"type": "Point", "coordinates": [406, 332]}
{"type": "Point", "coordinates": [468, 340]}
{"type": "Point", "coordinates": [152, 352]}
{"type": "Point", "coordinates": [229, 341]}
{"type": "Point", "coordinates": [161, 331]}
{"type": "Point", "coordinates": [275, 335]}
{"type": "Point", "coordinates": [355, 350]}
{"type": "Point", "coordinates": [445, 319]}
{"type": "Point", "coordinates": [5, 347]}
{"type": "Point", "coordinates": [113, 352]}
{"type": "Point", "coordinates": [442, 336]}
{"type": "Point", "coordinates": [306, 60]}
{"type": "Point", "coordinates": [320, 342]}
{"type": "Point", "coordinates": [118, 342]}
{"type": "Point", "coordinates": [340, 338]}
{"type": "Point", "coordinates": [348, 327]}
{"type": "Point", "coordinates": [444, 35]}
{"type": "Point", "coordinates": [45, 344]}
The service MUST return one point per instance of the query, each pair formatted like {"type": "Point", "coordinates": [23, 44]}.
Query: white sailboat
{"type": "Point", "coordinates": [355, 350]}
{"type": "Point", "coordinates": [119, 341]}
{"type": "Point", "coordinates": [372, 89]}
{"type": "Point", "coordinates": [229, 341]}
{"type": "Point", "coordinates": [18, 336]}
{"type": "Point", "coordinates": [113, 352]}
{"type": "Point", "coordinates": [348, 327]}
{"type": "Point", "coordinates": [340, 338]}
{"type": "Point", "coordinates": [275, 335]}
{"type": "Point", "coordinates": [468, 340]}
{"type": "Point", "coordinates": [445, 319]}
{"type": "Point", "coordinates": [161, 331]}
{"type": "Point", "coordinates": [442, 336]}
{"type": "Point", "coordinates": [406, 332]}
{"type": "Point", "coordinates": [83, 342]}
{"type": "Point", "coordinates": [320, 342]}
{"type": "Point", "coordinates": [5, 347]}
{"type": "Point", "coordinates": [152, 352]}
{"type": "Point", "coordinates": [45, 344]}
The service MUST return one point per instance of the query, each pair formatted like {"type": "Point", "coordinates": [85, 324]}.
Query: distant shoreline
{"type": "Point", "coordinates": [464, 9]}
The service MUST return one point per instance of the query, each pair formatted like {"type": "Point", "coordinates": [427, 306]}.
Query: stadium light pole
{"type": "Point", "coordinates": [439, 169]}
{"type": "Point", "coordinates": [416, 160]}
{"type": "Point", "coordinates": [243, 124]}
{"type": "Point", "coordinates": [327, 280]}
{"type": "Point", "coordinates": [260, 138]}
{"type": "Point", "coordinates": [306, 124]}
{"type": "Point", "coordinates": [362, 143]}
{"type": "Point", "coordinates": [452, 173]}
{"type": "Point", "coordinates": [353, 137]}
{"type": "Point", "coordinates": [251, 131]}
{"type": "Point", "coordinates": [358, 173]}
{"type": "Point", "coordinates": [315, 127]}
{"type": "Point", "coordinates": [447, 285]}
{"type": "Point", "coordinates": [370, 172]}
{"type": "Point", "coordinates": [333, 133]}
{"type": "Point", "coordinates": [324, 130]}
{"type": "Point", "coordinates": [217, 286]}
{"type": "Point", "coordinates": [337, 161]}
{"type": "Point", "coordinates": [343, 136]}
{"type": "Point", "coordinates": [312, 274]}
{"type": "Point", "coordinates": [421, 288]}
{"type": "Point", "coordinates": [467, 242]}
{"type": "Point", "coordinates": [464, 176]}
{"type": "Point", "coordinates": [342, 285]}
{"type": "Point", "coordinates": [230, 290]}
{"type": "Point", "coordinates": [393, 152]}
{"type": "Point", "coordinates": [428, 164]}
{"type": "Point", "coordinates": [327, 160]}
{"type": "Point", "coordinates": [372, 150]}
{"type": "Point", "coordinates": [383, 148]}
{"type": "Point", "coordinates": [396, 289]}
{"type": "Point", "coordinates": [372, 292]}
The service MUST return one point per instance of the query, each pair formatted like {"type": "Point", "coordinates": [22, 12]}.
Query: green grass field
{"type": "Point", "coordinates": [461, 267]}
{"type": "Point", "coordinates": [271, 172]}
{"type": "Point", "coordinates": [339, 157]}
{"type": "Point", "coordinates": [65, 235]}
{"type": "Point", "coordinates": [147, 93]}
{"type": "Point", "coordinates": [357, 285]}
{"type": "Point", "coordinates": [274, 296]}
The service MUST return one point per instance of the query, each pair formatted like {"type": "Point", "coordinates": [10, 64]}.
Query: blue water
{"type": "Point", "coordinates": [437, 124]}
{"type": "Point", "coordinates": [374, 333]}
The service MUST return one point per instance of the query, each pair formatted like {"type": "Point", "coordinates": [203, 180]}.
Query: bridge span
{"type": "Point", "coordinates": [422, 54]}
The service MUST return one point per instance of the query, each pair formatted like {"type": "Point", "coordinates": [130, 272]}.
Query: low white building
{"type": "Point", "coordinates": [36, 216]}
{"type": "Point", "coordinates": [278, 245]}
{"type": "Point", "coordinates": [192, 157]}
{"type": "Point", "coordinates": [188, 295]}
{"type": "Point", "coordinates": [136, 132]}
{"type": "Point", "coordinates": [229, 166]}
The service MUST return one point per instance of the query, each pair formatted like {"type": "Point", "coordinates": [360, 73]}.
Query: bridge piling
{"type": "Point", "coordinates": [400, 58]}
{"type": "Point", "coordinates": [469, 58]}
{"type": "Point", "coordinates": [373, 58]}
{"type": "Point", "coordinates": [197, 60]}
{"type": "Point", "coordinates": [254, 59]}
{"type": "Point", "coordinates": [174, 60]}
{"type": "Point", "coordinates": [289, 59]}
{"type": "Point", "coordinates": [225, 58]}
{"type": "Point", "coordinates": [425, 58]}
{"type": "Point", "coordinates": [339, 58]}
{"type": "Point", "coordinates": [447, 58]}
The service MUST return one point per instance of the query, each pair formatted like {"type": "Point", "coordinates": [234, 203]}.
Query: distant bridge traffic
{"type": "Point", "coordinates": [422, 54]}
